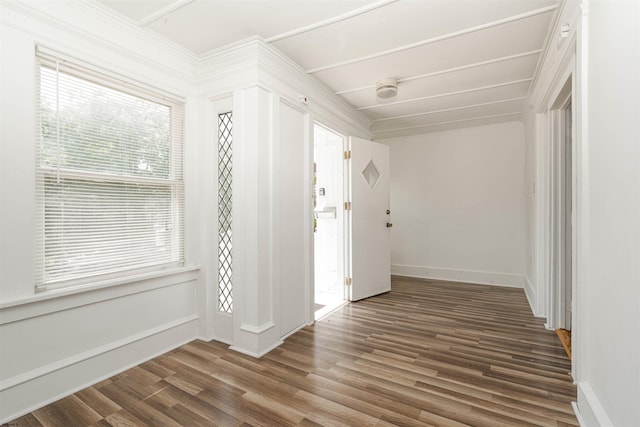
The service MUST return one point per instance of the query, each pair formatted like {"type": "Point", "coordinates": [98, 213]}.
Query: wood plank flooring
{"type": "Point", "coordinates": [426, 353]}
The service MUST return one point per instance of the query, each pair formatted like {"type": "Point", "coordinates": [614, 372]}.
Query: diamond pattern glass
{"type": "Point", "coordinates": [225, 273]}
{"type": "Point", "coordinates": [371, 174]}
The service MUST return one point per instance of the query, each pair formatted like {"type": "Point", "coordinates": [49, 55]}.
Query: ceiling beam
{"type": "Point", "coordinates": [424, 113]}
{"type": "Point", "coordinates": [448, 70]}
{"type": "Point", "coordinates": [448, 122]}
{"type": "Point", "coordinates": [164, 12]}
{"type": "Point", "coordinates": [421, 43]}
{"type": "Point", "coordinates": [440, 95]}
{"type": "Point", "coordinates": [331, 21]}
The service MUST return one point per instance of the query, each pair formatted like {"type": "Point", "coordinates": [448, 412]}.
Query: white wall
{"type": "Point", "coordinates": [608, 356]}
{"type": "Point", "coordinates": [458, 205]}
{"type": "Point", "coordinates": [56, 342]}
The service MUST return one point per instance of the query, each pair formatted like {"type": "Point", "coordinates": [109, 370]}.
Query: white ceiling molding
{"type": "Point", "coordinates": [567, 13]}
{"type": "Point", "coordinates": [440, 95]}
{"type": "Point", "coordinates": [333, 20]}
{"type": "Point", "coordinates": [517, 113]}
{"type": "Point", "coordinates": [223, 71]}
{"type": "Point", "coordinates": [436, 39]}
{"type": "Point", "coordinates": [164, 12]}
{"type": "Point", "coordinates": [448, 70]}
{"type": "Point", "coordinates": [97, 30]}
{"type": "Point", "coordinates": [424, 113]}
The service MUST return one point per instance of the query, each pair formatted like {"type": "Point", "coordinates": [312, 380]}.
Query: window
{"type": "Point", "coordinates": [109, 176]}
{"type": "Point", "coordinates": [225, 175]}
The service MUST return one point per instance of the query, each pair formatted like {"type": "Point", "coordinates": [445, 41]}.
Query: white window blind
{"type": "Point", "coordinates": [110, 192]}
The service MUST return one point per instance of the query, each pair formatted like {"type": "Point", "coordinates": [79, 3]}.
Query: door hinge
{"type": "Point", "coordinates": [347, 155]}
{"type": "Point", "coordinates": [347, 281]}
{"type": "Point", "coordinates": [347, 206]}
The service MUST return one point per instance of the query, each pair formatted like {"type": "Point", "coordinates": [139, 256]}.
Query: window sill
{"type": "Point", "coordinates": [85, 289]}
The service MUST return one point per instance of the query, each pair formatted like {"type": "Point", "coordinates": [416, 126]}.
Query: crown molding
{"type": "Point", "coordinates": [92, 21]}
{"type": "Point", "coordinates": [289, 74]}
{"type": "Point", "coordinates": [556, 50]}
{"type": "Point", "coordinates": [274, 69]}
{"type": "Point", "coordinates": [134, 27]}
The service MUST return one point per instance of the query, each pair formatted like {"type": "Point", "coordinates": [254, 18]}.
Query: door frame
{"type": "Point", "coordinates": [566, 76]}
{"type": "Point", "coordinates": [340, 216]}
{"type": "Point", "coordinates": [559, 245]}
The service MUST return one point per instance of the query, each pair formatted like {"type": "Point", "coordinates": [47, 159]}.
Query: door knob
{"type": "Point", "coordinates": [388, 211]}
{"type": "Point", "coordinates": [389, 225]}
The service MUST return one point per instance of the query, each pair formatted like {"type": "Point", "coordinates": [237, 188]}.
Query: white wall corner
{"type": "Point", "coordinates": [589, 410]}
{"type": "Point", "coordinates": [460, 275]}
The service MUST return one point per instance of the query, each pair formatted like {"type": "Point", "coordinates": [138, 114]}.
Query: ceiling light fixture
{"type": "Point", "coordinates": [386, 88]}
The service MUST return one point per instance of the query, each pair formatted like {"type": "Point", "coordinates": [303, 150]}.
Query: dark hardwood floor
{"type": "Point", "coordinates": [426, 353]}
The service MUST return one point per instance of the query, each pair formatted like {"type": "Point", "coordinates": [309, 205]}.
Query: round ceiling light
{"type": "Point", "coordinates": [386, 88]}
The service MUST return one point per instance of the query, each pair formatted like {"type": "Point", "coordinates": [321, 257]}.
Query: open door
{"type": "Point", "coordinates": [367, 219]}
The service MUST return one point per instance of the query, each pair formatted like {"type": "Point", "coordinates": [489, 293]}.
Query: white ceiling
{"type": "Point", "coordinates": [458, 62]}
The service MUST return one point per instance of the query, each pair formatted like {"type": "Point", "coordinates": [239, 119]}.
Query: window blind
{"type": "Point", "coordinates": [110, 191]}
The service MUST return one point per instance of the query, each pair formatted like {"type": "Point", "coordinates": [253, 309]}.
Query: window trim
{"type": "Point", "coordinates": [45, 57]}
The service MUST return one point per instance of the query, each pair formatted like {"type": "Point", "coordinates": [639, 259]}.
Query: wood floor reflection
{"type": "Point", "coordinates": [426, 353]}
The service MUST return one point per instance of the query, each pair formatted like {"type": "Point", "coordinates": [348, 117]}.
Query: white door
{"type": "Point", "coordinates": [368, 224]}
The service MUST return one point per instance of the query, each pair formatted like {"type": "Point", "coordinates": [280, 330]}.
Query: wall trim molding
{"type": "Point", "coordinates": [257, 355]}
{"type": "Point", "coordinates": [89, 354]}
{"type": "Point", "coordinates": [589, 410]}
{"type": "Point", "coordinates": [53, 302]}
{"type": "Point", "coordinates": [459, 275]}
{"type": "Point", "coordinates": [79, 372]}
{"type": "Point", "coordinates": [257, 329]}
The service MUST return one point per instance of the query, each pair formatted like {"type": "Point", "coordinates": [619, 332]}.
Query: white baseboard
{"type": "Point", "coordinates": [256, 355]}
{"type": "Point", "coordinates": [530, 293]}
{"type": "Point", "coordinates": [459, 275]}
{"type": "Point", "coordinates": [581, 422]}
{"type": "Point", "coordinates": [589, 410]}
{"type": "Point", "coordinates": [293, 331]}
{"type": "Point", "coordinates": [37, 389]}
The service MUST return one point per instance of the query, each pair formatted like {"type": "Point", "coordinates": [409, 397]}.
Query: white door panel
{"type": "Point", "coordinates": [369, 232]}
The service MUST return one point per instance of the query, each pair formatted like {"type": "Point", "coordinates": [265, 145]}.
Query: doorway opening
{"type": "Point", "coordinates": [563, 202]}
{"type": "Point", "coordinates": [328, 236]}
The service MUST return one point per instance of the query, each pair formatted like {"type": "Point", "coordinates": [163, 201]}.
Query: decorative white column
{"type": "Point", "coordinates": [254, 329]}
